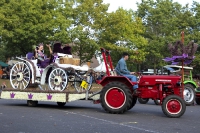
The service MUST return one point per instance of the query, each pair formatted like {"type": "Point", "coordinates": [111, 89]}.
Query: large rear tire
{"type": "Point", "coordinates": [116, 98]}
{"type": "Point", "coordinates": [173, 106]}
{"type": "Point", "coordinates": [143, 100]}
{"type": "Point", "coordinates": [134, 100]}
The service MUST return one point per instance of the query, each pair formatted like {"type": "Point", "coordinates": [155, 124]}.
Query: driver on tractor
{"type": "Point", "coordinates": [122, 70]}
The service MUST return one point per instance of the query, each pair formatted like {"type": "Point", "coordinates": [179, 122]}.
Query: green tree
{"type": "Point", "coordinates": [28, 22]}
{"type": "Point", "coordinates": [164, 21]}
{"type": "Point", "coordinates": [86, 17]}
{"type": "Point", "coordinates": [122, 31]}
{"type": "Point", "coordinates": [195, 35]}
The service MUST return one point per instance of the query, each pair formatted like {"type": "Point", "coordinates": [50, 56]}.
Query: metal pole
{"type": "Point", "coordinates": [105, 61]}
{"type": "Point", "coordinates": [182, 40]}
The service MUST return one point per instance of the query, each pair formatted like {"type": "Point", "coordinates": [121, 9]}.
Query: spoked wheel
{"type": "Point", "coordinates": [20, 76]}
{"type": "Point", "coordinates": [79, 80]}
{"type": "Point", "coordinates": [134, 100]}
{"type": "Point", "coordinates": [116, 98]}
{"type": "Point", "coordinates": [143, 100]}
{"type": "Point", "coordinates": [58, 80]}
{"type": "Point", "coordinates": [77, 84]}
{"type": "Point", "coordinates": [61, 104]}
{"type": "Point", "coordinates": [189, 94]}
{"type": "Point", "coordinates": [173, 106]}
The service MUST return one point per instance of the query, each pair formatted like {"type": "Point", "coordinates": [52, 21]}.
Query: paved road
{"type": "Point", "coordinates": [86, 117]}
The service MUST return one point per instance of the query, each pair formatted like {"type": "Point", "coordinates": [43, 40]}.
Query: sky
{"type": "Point", "coordinates": [131, 4]}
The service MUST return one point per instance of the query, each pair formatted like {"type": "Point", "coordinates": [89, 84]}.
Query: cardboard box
{"type": "Point", "coordinates": [65, 60]}
{"type": "Point", "coordinates": [76, 61]}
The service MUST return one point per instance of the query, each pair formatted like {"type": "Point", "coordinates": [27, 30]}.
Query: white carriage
{"type": "Point", "coordinates": [57, 75]}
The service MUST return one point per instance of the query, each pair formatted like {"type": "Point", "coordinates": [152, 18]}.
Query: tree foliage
{"type": "Point", "coordinates": [26, 22]}
{"type": "Point", "coordinates": [122, 32]}
{"type": "Point", "coordinates": [144, 33]}
{"type": "Point", "coordinates": [86, 18]}
{"type": "Point", "coordinates": [164, 21]}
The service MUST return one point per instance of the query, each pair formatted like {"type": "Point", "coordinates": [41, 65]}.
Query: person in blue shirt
{"type": "Point", "coordinates": [122, 70]}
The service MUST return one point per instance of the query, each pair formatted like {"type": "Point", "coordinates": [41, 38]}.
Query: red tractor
{"type": "Point", "coordinates": [118, 96]}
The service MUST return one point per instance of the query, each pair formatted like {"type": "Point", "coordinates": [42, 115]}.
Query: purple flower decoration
{"type": "Point", "coordinates": [30, 96]}
{"type": "Point", "coordinates": [176, 59]}
{"type": "Point", "coordinates": [49, 97]}
{"type": "Point", "coordinates": [181, 53]}
{"type": "Point", "coordinates": [12, 95]}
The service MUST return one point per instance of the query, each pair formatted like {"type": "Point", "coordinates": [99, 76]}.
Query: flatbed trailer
{"type": "Point", "coordinates": [33, 97]}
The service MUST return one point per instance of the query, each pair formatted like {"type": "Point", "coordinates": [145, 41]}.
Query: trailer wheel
{"type": "Point", "coordinates": [134, 100]}
{"type": "Point", "coordinates": [116, 98]}
{"type": "Point", "coordinates": [61, 104]}
{"type": "Point", "coordinates": [31, 103]}
{"type": "Point", "coordinates": [173, 106]}
{"type": "Point", "coordinates": [189, 94]}
{"type": "Point", "coordinates": [20, 76]}
{"type": "Point", "coordinates": [58, 80]}
{"type": "Point", "coordinates": [197, 100]}
{"type": "Point", "coordinates": [77, 84]}
{"type": "Point", "coordinates": [157, 102]}
{"type": "Point", "coordinates": [143, 100]}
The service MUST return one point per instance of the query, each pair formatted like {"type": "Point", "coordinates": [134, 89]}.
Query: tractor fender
{"type": "Point", "coordinates": [125, 80]}
{"type": "Point", "coordinates": [191, 82]}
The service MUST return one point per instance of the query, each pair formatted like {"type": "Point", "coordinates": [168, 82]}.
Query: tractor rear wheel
{"type": "Point", "coordinates": [143, 100]}
{"type": "Point", "coordinates": [116, 98]}
{"type": "Point", "coordinates": [134, 100]}
{"type": "Point", "coordinates": [197, 100]}
{"type": "Point", "coordinates": [173, 106]}
{"type": "Point", "coordinates": [189, 94]}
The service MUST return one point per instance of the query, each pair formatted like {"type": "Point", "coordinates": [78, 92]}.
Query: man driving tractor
{"type": "Point", "coordinates": [122, 70]}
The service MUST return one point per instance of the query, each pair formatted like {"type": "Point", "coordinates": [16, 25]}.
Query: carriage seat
{"type": "Point", "coordinates": [30, 56]}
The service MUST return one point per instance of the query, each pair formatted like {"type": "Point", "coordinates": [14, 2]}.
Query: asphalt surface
{"type": "Point", "coordinates": [86, 117]}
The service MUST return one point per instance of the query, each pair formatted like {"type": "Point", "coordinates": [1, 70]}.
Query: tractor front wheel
{"type": "Point", "coordinates": [116, 98]}
{"type": "Point", "coordinates": [173, 106]}
{"type": "Point", "coordinates": [157, 102]}
{"type": "Point", "coordinates": [143, 100]}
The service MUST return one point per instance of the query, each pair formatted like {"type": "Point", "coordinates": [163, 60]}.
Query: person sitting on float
{"type": "Point", "coordinates": [39, 54]}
